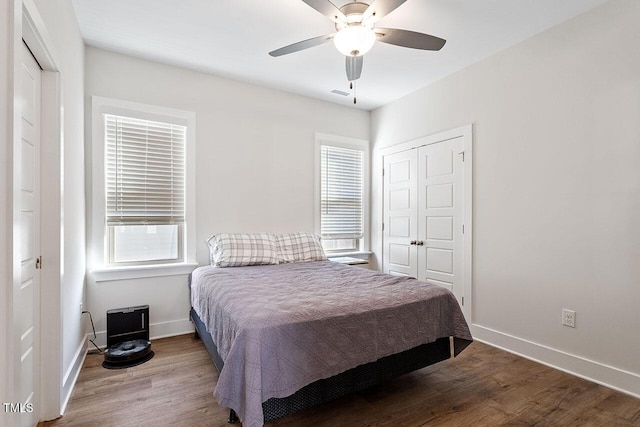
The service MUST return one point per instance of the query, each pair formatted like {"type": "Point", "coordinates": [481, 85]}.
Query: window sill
{"type": "Point", "coordinates": [142, 271]}
{"type": "Point", "coordinates": [355, 254]}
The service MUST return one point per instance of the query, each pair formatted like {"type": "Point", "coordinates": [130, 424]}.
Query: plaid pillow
{"type": "Point", "coordinates": [299, 247]}
{"type": "Point", "coordinates": [236, 250]}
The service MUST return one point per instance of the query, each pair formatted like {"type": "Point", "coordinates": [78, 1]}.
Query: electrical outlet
{"type": "Point", "coordinates": [569, 318]}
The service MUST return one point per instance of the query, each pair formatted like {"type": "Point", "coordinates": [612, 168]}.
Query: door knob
{"type": "Point", "coordinates": [419, 243]}
{"type": "Point", "coordinates": [413, 242]}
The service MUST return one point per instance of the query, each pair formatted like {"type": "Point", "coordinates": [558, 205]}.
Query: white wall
{"type": "Point", "coordinates": [556, 189]}
{"type": "Point", "coordinates": [6, 135]}
{"type": "Point", "coordinates": [254, 168]}
{"type": "Point", "coordinates": [60, 20]}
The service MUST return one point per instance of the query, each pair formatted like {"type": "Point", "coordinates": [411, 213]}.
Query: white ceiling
{"type": "Point", "coordinates": [232, 39]}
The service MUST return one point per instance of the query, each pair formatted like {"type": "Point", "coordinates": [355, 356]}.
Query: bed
{"type": "Point", "coordinates": [288, 336]}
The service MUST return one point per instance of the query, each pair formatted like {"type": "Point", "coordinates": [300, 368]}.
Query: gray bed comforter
{"type": "Point", "coordinates": [281, 327]}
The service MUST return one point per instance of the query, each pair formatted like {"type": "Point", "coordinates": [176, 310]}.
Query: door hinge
{"type": "Point", "coordinates": [462, 152]}
{"type": "Point", "coordinates": [462, 300]}
{"type": "Point", "coordinates": [383, 226]}
{"type": "Point", "coordinates": [462, 228]}
{"type": "Point", "coordinates": [382, 171]}
{"type": "Point", "coordinates": [39, 263]}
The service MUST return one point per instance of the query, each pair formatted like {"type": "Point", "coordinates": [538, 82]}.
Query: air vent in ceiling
{"type": "Point", "coordinates": [340, 92]}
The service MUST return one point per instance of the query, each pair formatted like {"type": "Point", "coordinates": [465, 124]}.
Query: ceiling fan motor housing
{"type": "Point", "coordinates": [353, 11]}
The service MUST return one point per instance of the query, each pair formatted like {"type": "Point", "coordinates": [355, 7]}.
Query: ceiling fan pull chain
{"type": "Point", "coordinates": [354, 91]}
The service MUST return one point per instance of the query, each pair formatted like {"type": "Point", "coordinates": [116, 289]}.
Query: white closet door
{"type": "Point", "coordinates": [400, 214]}
{"type": "Point", "coordinates": [27, 296]}
{"type": "Point", "coordinates": [440, 215]}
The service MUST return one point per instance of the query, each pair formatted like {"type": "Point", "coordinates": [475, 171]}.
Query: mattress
{"type": "Point", "coordinates": [280, 327]}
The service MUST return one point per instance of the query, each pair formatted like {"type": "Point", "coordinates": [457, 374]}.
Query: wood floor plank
{"type": "Point", "coordinates": [484, 386]}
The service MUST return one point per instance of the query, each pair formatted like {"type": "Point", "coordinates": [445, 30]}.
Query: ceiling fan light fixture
{"type": "Point", "coordinates": [354, 40]}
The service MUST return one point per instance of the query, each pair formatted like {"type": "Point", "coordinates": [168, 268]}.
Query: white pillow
{"type": "Point", "coordinates": [299, 247]}
{"type": "Point", "coordinates": [236, 250]}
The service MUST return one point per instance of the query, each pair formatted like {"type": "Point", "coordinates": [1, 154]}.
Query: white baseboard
{"type": "Point", "coordinates": [156, 331]}
{"type": "Point", "coordinates": [600, 373]}
{"type": "Point", "coordinates": [170, 329]}
{"type": "Point", "coordinates": [71, 376]}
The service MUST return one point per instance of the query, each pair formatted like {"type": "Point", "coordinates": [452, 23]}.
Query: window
{"type": "Point", "coordinates": [145, 182]}
{"type": "Point", "coordinates": [142, 203]}
{"type": "Point", "coordinates": [342, 193]}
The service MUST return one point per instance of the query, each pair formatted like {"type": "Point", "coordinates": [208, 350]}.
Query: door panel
{"type": "Point", "coordinates": [400, 255]}
{"type": "Point", "coordinates": [27, 297]}
{"type": "Point", "coordinates": [440, 215]}
{"type": "Point", "coordinates": [438, 196]}
{"type": "Point", "coordinates": [400, 214]}
{"type": "Point", "coordinates": [400, 226]}
{"type": "Point", "coordinates": [439, 228]}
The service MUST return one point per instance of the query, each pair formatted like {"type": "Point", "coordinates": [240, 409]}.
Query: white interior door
{"type": "Point", "coordinates": [400, 214]}
{"type": "Point", "coordinates": [440, 215]}
{"type": "Point", "coordinates": [27, 297]}
{"type": "Point", "coordinates": [423, 215]}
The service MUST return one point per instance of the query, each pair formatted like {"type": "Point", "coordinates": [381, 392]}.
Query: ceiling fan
{"type": "Point", "coordinates": [356, 32]}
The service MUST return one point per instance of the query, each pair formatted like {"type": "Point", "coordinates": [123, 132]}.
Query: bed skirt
{"type": "Point", "coordinates": [351, 381]}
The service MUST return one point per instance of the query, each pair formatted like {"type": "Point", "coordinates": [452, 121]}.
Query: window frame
{"type": "Point", "coordinates": [351, 144]}
{"type": "Point", "coordinates": [99, 256]}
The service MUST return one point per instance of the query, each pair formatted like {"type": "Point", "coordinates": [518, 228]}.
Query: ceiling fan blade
{"type": "Point", "coordinates": [305, 44]}
{"type": "Point", "coordinates": [328, 9]}
{"type": "Point", "coordinates": [411, 39]}
{"type": "Point", "coordinates": [354, 67]}
{"type": "Point", "coordinates": [381, 8]}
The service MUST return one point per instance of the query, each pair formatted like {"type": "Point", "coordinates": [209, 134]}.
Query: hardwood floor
{"type": "Point", "coordinates": [484, 386]}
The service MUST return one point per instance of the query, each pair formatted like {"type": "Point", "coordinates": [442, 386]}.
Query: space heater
{"type": "Point", "coordinates": [127, 337]}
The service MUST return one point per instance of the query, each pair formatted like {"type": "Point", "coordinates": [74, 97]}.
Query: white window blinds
{"type": "Point", "coordinates": [341, 195]}
{"type": "Point", "coordinates": [145, 171]}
